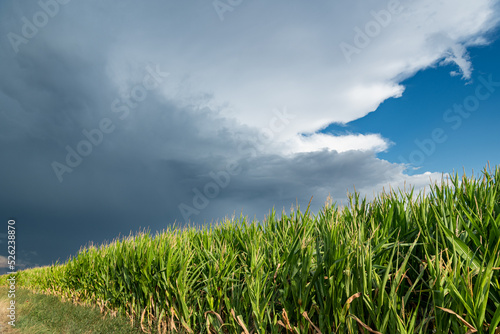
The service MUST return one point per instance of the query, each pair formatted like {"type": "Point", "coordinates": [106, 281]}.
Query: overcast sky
{"type": "Point", "coordinates": [121, 115]}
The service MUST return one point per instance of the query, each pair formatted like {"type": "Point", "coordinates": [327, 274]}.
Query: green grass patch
{"type": "Point", "coordinates": [39, 313]}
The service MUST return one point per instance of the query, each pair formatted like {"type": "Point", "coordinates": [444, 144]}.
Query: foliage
{"type": "Point", "coordinates": [403, 263]}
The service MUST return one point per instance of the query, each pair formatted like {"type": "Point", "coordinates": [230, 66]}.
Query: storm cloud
{"type": "Point", "coordinates": [117, 116]}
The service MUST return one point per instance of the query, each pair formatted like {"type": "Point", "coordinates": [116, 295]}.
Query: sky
{"type": "Point", "coordinates": [119, 116]}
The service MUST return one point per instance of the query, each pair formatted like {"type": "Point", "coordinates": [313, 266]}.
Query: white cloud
{"type": "Point", "coordinates": [320, 141]}
{"type": "Point", "coordinates": [268, 56]}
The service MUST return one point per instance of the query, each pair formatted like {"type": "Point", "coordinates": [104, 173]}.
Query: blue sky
{"type": "Point", "coordinates": [120, 115]}
{"type": "Point", "coordinates": [471, 142]}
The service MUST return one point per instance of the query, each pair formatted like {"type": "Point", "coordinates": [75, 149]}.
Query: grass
{"type": "Point", "coordinates": [39, 313]}
{"type": "Point", "coordinates": [403, 263]}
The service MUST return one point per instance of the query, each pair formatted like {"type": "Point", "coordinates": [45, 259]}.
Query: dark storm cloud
{"type": "Point", "coordinates": [162, 151]}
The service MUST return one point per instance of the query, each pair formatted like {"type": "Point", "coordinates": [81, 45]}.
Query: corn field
{"type": "Point", "coordinates": [402, 263]}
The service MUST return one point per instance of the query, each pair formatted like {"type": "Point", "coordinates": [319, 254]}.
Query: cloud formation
{"type": "Point", "coordinates": [252, 91]}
